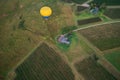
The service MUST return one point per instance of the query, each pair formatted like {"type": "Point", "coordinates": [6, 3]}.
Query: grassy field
{"type": "Point", "coordinates": [104, 36]}
{"type": "Point", "coordinates": [84, 45]}
{"type": "Point", "coordinates": [16, 43]}
{"type": "Point", "coordinates": [83, 15]}
{"type": "Point", "coordinates": [113, 13]}
{"type": "Point", "coordinates": [77, 47]}
{"type": "Point", "coordinates": [44, 64]}
{"type": "Point", "coordinates": [114, 58]}
{"type": "Point", "coordinates": [91, 70]}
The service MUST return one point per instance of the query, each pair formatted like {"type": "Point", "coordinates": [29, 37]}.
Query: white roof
{"type": "Point", "coordinates": [85, 5]}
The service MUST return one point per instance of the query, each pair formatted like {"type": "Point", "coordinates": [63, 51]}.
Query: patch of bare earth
{"type": "Point", "coordinates": [67, 14]}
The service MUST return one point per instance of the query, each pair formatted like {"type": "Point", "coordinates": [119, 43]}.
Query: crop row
{"type": "Point", "coordinates": [91, 70]}
{"type": "Point", "coordinates": [87, 21]}
{"type": "Point", "coordinates": [44, 64]}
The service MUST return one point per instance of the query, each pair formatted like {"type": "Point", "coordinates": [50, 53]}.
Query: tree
{"type": "Point", "coordinates": [21, 24]}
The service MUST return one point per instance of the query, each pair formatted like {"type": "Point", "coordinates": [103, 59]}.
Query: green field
{"type": "Point", "coordinates": [44, 64]}
{"type": "Point", "coordinates": [23, 29]}
{"type": "Point", "coordinates": [91, 70]}
{"type": "Point", "coordinates": [104, 36]}
{"type": "Point", "coordinates": [114, 58]}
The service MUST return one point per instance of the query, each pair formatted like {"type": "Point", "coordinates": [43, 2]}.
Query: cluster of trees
{"type": "Point", "coordinates": [101, 6]}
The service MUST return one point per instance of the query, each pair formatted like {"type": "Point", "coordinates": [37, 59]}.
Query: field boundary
{"type": "Point", "coordinates": [103, 61]}
{"type": "Point", "coordinates": [104, 23]}
{"type": "Point", "coordinates": [110, 68]}
{"type": "Point", "coordinates": [21, 61]}
{"type": "Point", "coordinates": [110, 50]}
{"type": "Point", "coordinates": [113, 7]}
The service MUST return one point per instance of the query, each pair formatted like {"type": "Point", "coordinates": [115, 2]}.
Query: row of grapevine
{"type": "Point", "coordinates": [91, 70]}
{"type": "Point", "coordinates": [44, 64]}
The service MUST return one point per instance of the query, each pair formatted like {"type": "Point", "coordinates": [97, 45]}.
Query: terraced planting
{"type": "Point", "coordinates": [91, 70]}
{"type": "Point", "coordinates": [104, 36]}
{"type": "Point", "coordinates": [44, 64]}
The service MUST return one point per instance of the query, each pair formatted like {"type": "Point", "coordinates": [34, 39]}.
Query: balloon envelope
{"type": "Point", "coordinates": [45, 11]}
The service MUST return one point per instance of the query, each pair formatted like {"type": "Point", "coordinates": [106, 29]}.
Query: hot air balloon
{"type": "Point", "coordinates": [46, 12]}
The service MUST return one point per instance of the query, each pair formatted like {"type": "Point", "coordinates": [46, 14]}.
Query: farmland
{"type": "Point", "coordinates": [114, 58]}
{"type": "Point", "coordinates": [75, 1]}
{"type": "Point", "coordinates": [16, 43]}
{"type": "Point", "coordinates": [29, 46]}
{"type": "Point", "coordinates": [91, 70]}
{"type": "Point", "coordinates": [79, 1]}
{"type": "Point", "coordinates": [113, 13]}
{"type": "Point", "coordinates": [108, 2]}
{"type": "Point", "coordinates": [87, 21]}
{"type": "Point", "coordinates": [104, 36]}
{"type": "Point", "coordinates": [44, 64]}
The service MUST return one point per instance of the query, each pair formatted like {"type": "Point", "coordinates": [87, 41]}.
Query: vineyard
{"type": "Point", "coordinates": [104, 36]}
{"type": "Point", "coordinates": [75, 1]}
{"type": "Point", "coordinates": [87, 21]}
{"type": "Point", "coordinates": [91, 70]}
{"type": "Point", "coordinates": [108, 2]}
{"type": "Point", "coordinates": [113, 13]}
{"type": "Point", "coordinates": [44, 64]}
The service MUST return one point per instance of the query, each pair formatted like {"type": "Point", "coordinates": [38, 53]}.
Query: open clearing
{"type": "Point", "coordinates": [44, 64]}
{"type": "Point", "coordinates": [114, 58]}
{"type": "Point", "coordinates": [67, 14]}
{"type": "Point", "coordinates": [103, 36]}
{"type": "Point", "coordinates": [91, 70]}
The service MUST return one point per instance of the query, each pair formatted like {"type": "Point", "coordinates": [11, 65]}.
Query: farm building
{"type": "Point", "coordinates": [63, 39]}
{"type": "Point", "coordinates": [94, 10]}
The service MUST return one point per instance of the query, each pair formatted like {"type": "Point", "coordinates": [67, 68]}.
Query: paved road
{"type": "Point", "coordinates": [96, 25]}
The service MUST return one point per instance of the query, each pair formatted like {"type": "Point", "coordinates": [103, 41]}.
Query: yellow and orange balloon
{"type": "Point", "coordinates": [46, 12]}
